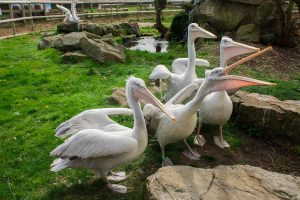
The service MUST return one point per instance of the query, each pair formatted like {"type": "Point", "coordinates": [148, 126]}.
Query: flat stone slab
{"type": "Point", "coordinates": [221, 183]}
{"type": "Point", "coordinates": [272, 117]}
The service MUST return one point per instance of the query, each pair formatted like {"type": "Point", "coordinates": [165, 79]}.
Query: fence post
{"type": "Point", "coordinates": [137, 10]}
{"type": "Point", "coordinates": [111, 10]}
{"type": "Point", "coordinates": [23, 12]}
{"type": "Point", "coordinates": [30, 14]}
{"type": "Point", "coordinates": [11, 13]}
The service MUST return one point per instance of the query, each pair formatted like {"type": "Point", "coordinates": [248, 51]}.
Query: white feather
{"type": "Point", "coordinates": [93, 119]}
{"type": "Point", "coordinates": [92, 143]}
{"type": "Point", "coordinates": [160, 72]}
{"type": "Point", "coordinates": [179, 65]}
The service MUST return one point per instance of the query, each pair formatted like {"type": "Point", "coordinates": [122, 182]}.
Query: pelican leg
{"type": "Point", "coordinates": [219, 140]}
{"type": "Point", "coordinates": [117, 176]}
{"type": "Point", "coordinates": [190, 153]}
{"type": "Point", "coordinates": [114, 187]}
{"type": "Point", "coordinates": [199, 139]}
{"type": "Point", "coordinates": [165, 160]}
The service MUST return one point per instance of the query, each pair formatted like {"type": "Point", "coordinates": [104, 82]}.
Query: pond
{"type": "Point", "coordinates": [149, 44]}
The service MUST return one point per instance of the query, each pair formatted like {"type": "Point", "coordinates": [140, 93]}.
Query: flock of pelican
{"type": "Point", "coordinates": [98, 143]}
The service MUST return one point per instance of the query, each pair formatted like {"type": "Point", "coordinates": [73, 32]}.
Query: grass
{"type": "Point", "coordinates": [39, 91]}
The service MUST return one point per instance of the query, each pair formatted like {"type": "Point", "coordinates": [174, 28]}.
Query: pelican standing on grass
{"type": "Point", "coordinates": [184, 69]}
{"type": "Point", "coordinates": [216, 108]}
{"type": "Point", "coordinates": [100, 150]}
{"type": "Point", "coordinates": [72, 16]}
{"type": "Point", "coordinates": [167, 131]}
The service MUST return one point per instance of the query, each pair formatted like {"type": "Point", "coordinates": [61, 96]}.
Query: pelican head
{"type": "Point", "coordinates": [230, 48]}
{"type": "Point", "coordinates": [137, 89]}
{"type": "Point", "coordinates": [195, 31]}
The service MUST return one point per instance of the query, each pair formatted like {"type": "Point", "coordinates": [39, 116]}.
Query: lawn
{"type": "Point", "coordinates": [39, 91]}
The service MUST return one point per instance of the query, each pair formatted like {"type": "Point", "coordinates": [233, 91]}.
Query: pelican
{"type": "Point", "coordinates": [101, 150]}
{"type": "Point", "coordinates": [72, 16]}
{"type": "Point", "coordinates": [167, 131]}
{"type": "Point", "coordinates": [184, 69]}
{"type": "Point", "coordinates": [216, 108]}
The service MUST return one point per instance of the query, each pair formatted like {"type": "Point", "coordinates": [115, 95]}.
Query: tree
{"type": "Point", "coordinates": [159, 6]}
{"type": "Point", "coordinates": [285, 23]}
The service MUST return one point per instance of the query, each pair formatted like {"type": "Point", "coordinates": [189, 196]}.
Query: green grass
{"type": "Point", "coordinates": [39, 91]}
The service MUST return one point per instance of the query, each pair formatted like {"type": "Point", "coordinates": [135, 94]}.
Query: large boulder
{"type": "Point", "coordinates": [223, 15]}
{"type": "Point", "coordinates": [272, 117]}
{"type": "Point", "coordinates": [101, 30]}
{"type": "Point", "coordinates": [249, 33]}
{"type": "Point", "coordinates": [69, 42]}
{"type": "Point", "coordinates": [221, 183]}
{"type": "Point", "coordinates": [102, 51]}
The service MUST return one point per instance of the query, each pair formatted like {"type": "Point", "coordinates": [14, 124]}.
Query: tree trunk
{"type": "Point", "coordinates": [159, 6]}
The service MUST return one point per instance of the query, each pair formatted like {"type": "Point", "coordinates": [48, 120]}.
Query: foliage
{"type": "Point", "coordinates": [285, 23]}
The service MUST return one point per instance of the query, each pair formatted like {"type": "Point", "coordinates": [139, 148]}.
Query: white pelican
{"type": "Point", "coordinates": [168, 131]}
{"type": "Point", "coordinates": [216, 108]}
{"type": "Point", "coordinates": [100, 150]}
{"type": "Point", "coordinates": [72, 16]}
{"type": "Point", "coordinates": [184, 69]}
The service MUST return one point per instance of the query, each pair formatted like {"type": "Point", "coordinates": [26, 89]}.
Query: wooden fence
{"type": "Point", "coordinates": [113, 8]}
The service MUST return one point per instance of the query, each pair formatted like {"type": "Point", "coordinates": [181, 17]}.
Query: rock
{"type": "Point", "coordinates": [74, 56]}
{"type": "Point", "coordinates": [272, 117]}
{"type": "Point", "coordinates": [221, 183]}
{"type": "Point", "coordinates": [101, 30]}
{"type": "Point", "coordinates": [67, 27]}
{"type": "Point", "coordinates": [102, 51]}
{"type": "Point", "coordinates": [249, 33]}
{"type": "Point", "coordinates": [223, 15]}
{"type": "Point", "coordinates": [118, 97]}
{"type": "Point", "coordinates": [108, 39]}
{"type": "Point", "coordinates": [71, 41]}
{"type": "Point", "coordinates": [48, 42]}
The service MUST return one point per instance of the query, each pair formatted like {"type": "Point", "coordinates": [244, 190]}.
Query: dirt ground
{"type": "Point", "coordinates": [253, 151]}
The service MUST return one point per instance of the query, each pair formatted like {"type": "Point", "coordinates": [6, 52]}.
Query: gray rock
{"type": "Point", "coordinates": [221, 183]}
{"type": "Point", "coordinates": [101, 30]}
{"type": "Point", "coordinates": [67, 27]}
{"type": "Point", "coordinates": [71, 41]}
{"type": "Point", "coordinates": [48, 42]}
{"type": "Point", "coordinates": [249, 33]}
{"type": "Point", "coordinates": [74, 56]}
{"type": "Point", "coordinates": [101, 51]}
{"type": "Point", "coordinates": [223, 15]}
{"type": "Point", "coordinates": [272, 117]}
{"type": "Point", "coordinates": [118, 97]}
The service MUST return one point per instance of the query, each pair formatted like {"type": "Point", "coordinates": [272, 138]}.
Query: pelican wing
{"type": "Point", "coordinates": [179, 65]}
{"type": "Point", "coordinates": [93, 119]}
{"type": "Point", "coordinates": [183, 94]}
{"type": "Point", "coordinates": [160, 72]}
{"type": "Point", "coordinates": [65, 10]}
{"type": "Point", "coordinates": [93, 143]}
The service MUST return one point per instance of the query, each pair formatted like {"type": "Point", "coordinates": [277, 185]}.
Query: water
{"type": "Point", "coordinates": [150, 44]}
